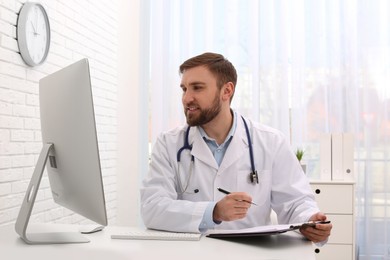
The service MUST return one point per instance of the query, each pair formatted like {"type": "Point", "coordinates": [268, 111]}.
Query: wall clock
{"type": "Point", "coordinates": [33, 33]}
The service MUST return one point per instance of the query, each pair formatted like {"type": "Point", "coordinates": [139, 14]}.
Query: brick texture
{"type": "Point", "coordinates": [79, 29]}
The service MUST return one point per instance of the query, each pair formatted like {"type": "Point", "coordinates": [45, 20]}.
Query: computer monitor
{"type": "Point", "coordinates": [70, 143]}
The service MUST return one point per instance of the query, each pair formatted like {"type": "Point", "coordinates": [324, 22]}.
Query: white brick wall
{"type": "Point", "coordinates": [79, 29]}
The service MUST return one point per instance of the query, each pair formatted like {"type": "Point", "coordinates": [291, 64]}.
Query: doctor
{"type": "Point", "coordinates": [218, 148]}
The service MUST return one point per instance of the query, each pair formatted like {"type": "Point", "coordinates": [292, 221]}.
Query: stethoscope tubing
{"type": "Point", "coordinates": [185, 146]}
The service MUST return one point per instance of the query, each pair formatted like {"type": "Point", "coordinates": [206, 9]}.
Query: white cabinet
{"type": "Point", "coordinates": [336, 200]}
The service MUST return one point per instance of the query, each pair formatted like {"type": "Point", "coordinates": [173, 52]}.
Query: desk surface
{"type": "Point", "coordinates": [284, 246]}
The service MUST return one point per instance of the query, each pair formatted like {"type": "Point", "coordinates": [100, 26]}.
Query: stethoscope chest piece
{"type": "Point", "coordinates": [254, 177]}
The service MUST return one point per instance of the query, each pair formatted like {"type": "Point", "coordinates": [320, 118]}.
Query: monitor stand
{"type": "Point", "coordinates": [28, 204]}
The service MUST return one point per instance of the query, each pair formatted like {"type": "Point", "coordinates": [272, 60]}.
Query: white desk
{"type": "Point", "coordinates": [285, 246]}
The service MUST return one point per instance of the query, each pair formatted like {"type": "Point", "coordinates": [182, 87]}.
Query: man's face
{"type": "Point", "coordinates": [201, 96]}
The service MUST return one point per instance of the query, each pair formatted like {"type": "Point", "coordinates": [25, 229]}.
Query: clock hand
{"type": "Point", "coordinates": [36, 21]}
{"type": "Point", "coordinates": [35, 31]}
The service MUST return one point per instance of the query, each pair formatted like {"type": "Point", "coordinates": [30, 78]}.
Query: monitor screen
{"type": "Point", "coordinates": [70, 148]}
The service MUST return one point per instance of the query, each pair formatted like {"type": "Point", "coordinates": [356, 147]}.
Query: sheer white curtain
{"type": "Point", "coordinates": [305, 67]}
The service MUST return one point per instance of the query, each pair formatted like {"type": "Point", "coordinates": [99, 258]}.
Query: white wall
{"type": "Point", "coordinates": [128, 112]}
{"type": "Point", "coordinates": [79, 28]}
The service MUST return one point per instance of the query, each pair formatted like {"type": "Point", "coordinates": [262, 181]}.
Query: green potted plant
{"type": "Point", "coordinates": [299, 153]}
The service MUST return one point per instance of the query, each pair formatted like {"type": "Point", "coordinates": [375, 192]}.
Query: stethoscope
{"type": "Point", "coordinates": [254, 178]}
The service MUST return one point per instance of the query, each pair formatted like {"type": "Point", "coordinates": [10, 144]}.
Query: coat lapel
{"type": "Point", "coordinates": [200, 150]}
{"type": "Point", "coordinates": [237, 147]}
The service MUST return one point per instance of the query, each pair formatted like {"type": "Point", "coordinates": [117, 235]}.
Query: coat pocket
{"type": "Point", "coordinates": [260, 192]}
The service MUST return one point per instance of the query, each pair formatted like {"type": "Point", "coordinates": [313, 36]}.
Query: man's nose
{"type": "Point", "coordinates": [187, 97]}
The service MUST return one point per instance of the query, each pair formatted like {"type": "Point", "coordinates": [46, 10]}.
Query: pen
{"type": "Point", "coordinates": [309, 224]}
{"type": "Point", "coordinates": [228, 192]}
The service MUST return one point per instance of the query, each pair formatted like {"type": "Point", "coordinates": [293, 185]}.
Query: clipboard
{"type": "Point", "coordinates": [262, 230]}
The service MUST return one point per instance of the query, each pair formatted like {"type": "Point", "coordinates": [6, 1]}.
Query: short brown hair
{"type": "Point", "coordinates": [218, 65]}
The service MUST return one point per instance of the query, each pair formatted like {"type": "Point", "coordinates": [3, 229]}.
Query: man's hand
{"type": "Point", "coordinates": [320, 232]}
{"type": "Point", "coordinates": [232, 207]}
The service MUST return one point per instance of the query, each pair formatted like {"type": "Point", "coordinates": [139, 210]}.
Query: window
{"type": "Point", "coordinates": [305, 68]}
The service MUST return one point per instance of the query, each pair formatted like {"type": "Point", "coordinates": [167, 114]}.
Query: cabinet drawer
{"type": "Point", "coordinates": [334, 199]}
{"type": "Point", "coordinates": [334, 252]}
{"type": "Point", "coordinates": [342, 231]}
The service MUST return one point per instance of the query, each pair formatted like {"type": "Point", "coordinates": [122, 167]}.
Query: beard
{"type": "Point", "coordinates": [206, 115]}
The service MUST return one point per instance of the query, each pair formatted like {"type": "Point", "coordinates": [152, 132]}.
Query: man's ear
{"type": "Point", "coordinates": [227, 91]}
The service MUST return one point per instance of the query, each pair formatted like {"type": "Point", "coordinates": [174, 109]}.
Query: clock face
{"type": "Point", "coordinates": [33, 33]}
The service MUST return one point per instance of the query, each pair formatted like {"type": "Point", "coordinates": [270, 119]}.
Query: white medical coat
{"type": "Point", "coordinates": [282, 186]}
